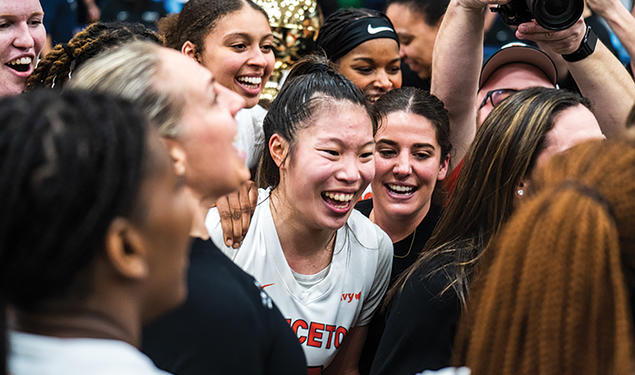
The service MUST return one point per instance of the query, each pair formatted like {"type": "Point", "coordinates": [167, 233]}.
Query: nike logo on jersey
{"type": "Point", "coordinates": [348, 297]}
{"type": "Point", "coordinates": [374, 30]}
{"type": "Point", "coordinates": [266, 285]}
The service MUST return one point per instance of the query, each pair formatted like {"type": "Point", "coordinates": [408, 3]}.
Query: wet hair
{"type": "Point", "coordinates": [557, 298]}
{"type": "Point", "coordinates": [133, 71]}
{"type": "Point", "coordinates": [431, 10]}
{"type": "Point", "coordinates": [502, 154]}
{"type": "Point", "coordinates": [312, 86]}
{"type": "Point", "coordinates": [422, 103]}
{"type": "Point", "coordinates": [197, 19]}
{"type": "Point", "coordinates": [330, 38]}
{"type": "Point", "coordinates": [71, 162]}
{"type": "Point", "coordinates": [55, 69]}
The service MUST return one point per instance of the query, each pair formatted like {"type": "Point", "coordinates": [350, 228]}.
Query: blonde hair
{"type": "Point", "coordinates": [133, 72]}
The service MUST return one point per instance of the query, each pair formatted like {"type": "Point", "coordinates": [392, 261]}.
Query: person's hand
{"type": "Point", "coordinates": [561, 42]}
{"type": "Point", "coordinates": [604, 7]}
{"type": "Point", "coordinates": [235, 211]}
{"type": "Point", "coordinates": [479, 4]}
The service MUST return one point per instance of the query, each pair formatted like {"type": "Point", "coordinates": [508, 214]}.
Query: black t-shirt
{"type": "Point", "coordinates": [406, 252]}
{"type": "Point", "coordinates": [227, 325]}
{"type": "Point", "coordinates": [420, 324]}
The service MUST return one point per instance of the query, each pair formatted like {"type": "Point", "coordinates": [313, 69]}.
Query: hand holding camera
{"type": "Point", "coordinates": [550, 14]}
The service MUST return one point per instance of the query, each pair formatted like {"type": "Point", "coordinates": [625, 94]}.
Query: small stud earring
{"type": "Point", "coordinates": [520, 192]}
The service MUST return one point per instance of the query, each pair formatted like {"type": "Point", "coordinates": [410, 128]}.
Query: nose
{"type": "Point", "coordinates": [230, 99]}
{"type": "Point", "coordinates": [258, 57]}
{"type": "Point", "coordinates": [382, 81]}
{"type": "Point", "coordinates": [348, 170]}
{"type": "Point", "coordinates": [23, 38]}
{"type": "Point", "coordinates": [402, 166]}
{"type": "Point", "coordinates": [402, 52]}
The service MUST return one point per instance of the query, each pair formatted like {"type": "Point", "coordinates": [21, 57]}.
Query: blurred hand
{"type": "Point", "coordinates": [479, 4]}
{"type": "Point", "coordinates": [235, 211]}
{"type": "Point", "coordinates": [561, 42]}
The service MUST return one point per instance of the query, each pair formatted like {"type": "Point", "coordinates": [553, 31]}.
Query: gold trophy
{"type": "Point", "coordinates": [295, 24]}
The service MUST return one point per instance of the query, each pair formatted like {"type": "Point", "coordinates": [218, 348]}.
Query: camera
{"type": "Point", "coordinates": [550, 14]}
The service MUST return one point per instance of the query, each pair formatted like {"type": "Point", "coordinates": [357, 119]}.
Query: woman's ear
{"type": "Point", "coordinates": [443, 168]}
{"type": "Point", "coordinates": [521, 189]}
{"type": "Point", "coordinates": [278, 148]}
{"type": "Point", "coordinates": [178, 155]}
{"type": "Point", "coordinates": [125, 250]}
{"type": "Point", "coordinates": [189, 49]}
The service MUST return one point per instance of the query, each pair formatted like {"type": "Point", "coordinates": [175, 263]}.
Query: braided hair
{"type": "Point", "coordinates": [55, 69]}
{"type": "Point", "coordinates": [555, 299]}
{"type": "Point", "coordinates": [71, 162]}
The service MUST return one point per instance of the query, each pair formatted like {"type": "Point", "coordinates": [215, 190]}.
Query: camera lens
{"type": "Point", "coordinates": [556, 7]}
{"type": "Point", "coordinates": [556, 14]}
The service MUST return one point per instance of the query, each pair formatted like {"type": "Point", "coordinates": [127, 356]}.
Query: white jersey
{"type": "Point", "coordinates": [251, 136]}
{"type": "Point", "coordinates": [321, 314]}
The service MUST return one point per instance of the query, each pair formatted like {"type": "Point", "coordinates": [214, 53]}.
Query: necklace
{"type": "Point", "coordinates": [412, 241]}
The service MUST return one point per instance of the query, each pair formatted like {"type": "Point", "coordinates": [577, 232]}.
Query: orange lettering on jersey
{"type": "Point", "coordinates": [315, 334]}
{"type": "Point", "coordinates": [338, 340]}
{"type": "Point", "coordinates": [315, 370]}
{"type": "Point", "coordinates": [297, 324]}
{"type": "Point", "coordinates": [348, 297]}
{"type": "Point", "coordinates": [330, 329]}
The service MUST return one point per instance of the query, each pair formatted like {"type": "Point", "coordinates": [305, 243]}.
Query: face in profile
{"type": "Point", "coordinates": [415, 36]}
{"type": "Point", "coordinates": [330, 164]}
{"type": "Point", "coordinates": [239, 52]}
{"type": "Point", "coordinates": [571, 126]}
{"type": "Point", "coordinates": [373, 66]}
{"type": "Point", "coordinates": [212, 165]}
{"type": "Point", "coordinates": [22, 37]}
{"type": "Point", "coordinates": [164, 228]}
{"type": "Point", "coordinates": [408, 164]}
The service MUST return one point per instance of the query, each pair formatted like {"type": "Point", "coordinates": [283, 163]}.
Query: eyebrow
{"type": "Point", "coordinates": [341, 143]}
{"type": "Point", "coordinates": [14, 16]}
{"type": "Point", "coordinates": [245, 36]}
{"type": "Point", "coordinates": [394, 144]}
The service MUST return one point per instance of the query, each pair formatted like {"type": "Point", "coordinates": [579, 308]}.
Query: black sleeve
{"type": "Point", "coordinates": [420, 328]}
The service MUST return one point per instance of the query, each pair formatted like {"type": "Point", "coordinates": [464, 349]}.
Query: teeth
{"type": "Point", "coordinates": [345, 198]}
{"type": "Point", "coordinates": [400, 188]}
{"type": "Point", "coordinates": [21, 61]}
{"type": "Point", "coordinates": [250, 80]}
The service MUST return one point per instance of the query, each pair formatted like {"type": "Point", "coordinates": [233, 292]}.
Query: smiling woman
{"type": "Point", "coordinates": [22, 37]}
{"type": "Point", "coordinates": [325, 265]}
{"type": "Point", "coordinates": [364, 46]}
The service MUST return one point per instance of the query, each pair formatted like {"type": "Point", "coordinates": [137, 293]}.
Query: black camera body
{"type": "Point", "coordinates": [550, 14]}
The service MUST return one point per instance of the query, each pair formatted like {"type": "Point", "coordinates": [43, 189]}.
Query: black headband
{"type": "Point", "coordinates": [358, 32]}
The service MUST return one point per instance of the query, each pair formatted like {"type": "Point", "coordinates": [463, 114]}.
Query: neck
{"type": "Point", "coordinates": [199, 208]}
{"type": "Point", "coordinates": [398, 227]}
{"type": "Point", "coordinates": [78, 321]}
{"type": "Point", "coordinates": [308, 249]}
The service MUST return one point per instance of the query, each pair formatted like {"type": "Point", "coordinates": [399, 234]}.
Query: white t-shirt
{"type": "Point", "coordinates": [321, 312]}
{"type": "Point", "coordinates": [251, 136]}
{"type": "Point", "coordinates": [44, 355]}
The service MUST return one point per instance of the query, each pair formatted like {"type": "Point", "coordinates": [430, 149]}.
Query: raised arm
{"type": "Point", "coordinates": [456, 65]}
{"type": "Point", "coordinates": [600, 76]}
{"type": "Point", "coordinates": [619, 19]}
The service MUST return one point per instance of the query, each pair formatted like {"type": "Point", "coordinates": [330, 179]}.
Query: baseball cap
{"type": "Point", "coordinates": [518, 52]}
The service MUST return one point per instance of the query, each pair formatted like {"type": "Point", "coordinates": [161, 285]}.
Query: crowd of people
{"type": "Point", "coordinates": [407, 204]}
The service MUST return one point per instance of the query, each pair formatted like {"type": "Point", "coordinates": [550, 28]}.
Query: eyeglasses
{"type": "Point", "coordinates": [497, 96]}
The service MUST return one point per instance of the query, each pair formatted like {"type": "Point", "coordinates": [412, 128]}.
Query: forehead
{"type": "Point", "coordinates": [246, 20]}
{"type": "Point", "coordinates": [379, 50]}
{"type": "Point", "coordinates": [407, 128]}
{"type": "Point", "coordinates": [19, 8]}
{"type": "Point", "coordinates": [516, 76]}
{"type": "Point", "coordinates": [341, 120]}
{"type": "Point", "coordinates": [402, 16]}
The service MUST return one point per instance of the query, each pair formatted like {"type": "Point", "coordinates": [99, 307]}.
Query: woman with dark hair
{"type": "Point", "coordinates": [427, 299]}
{"type": "Point", "coordinates": [93, 232]}
{"type": "Point", "coordinates": [232, 39]}
{"type": "Point", "coordinates": [365, 48]}
{"type": "Point", "coordinates": [558, 295]}
{"type": "Point", "coordinates": [412, 154]}
{"type": "Point", "coordinates": [22, 37]}
{"type": "Point", "coordinates": [57, 67]}
{"type": "Point", "coordinates": [324, 264]}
